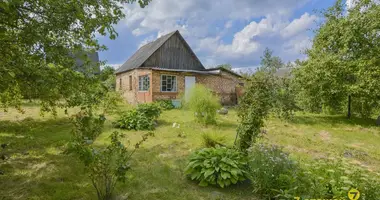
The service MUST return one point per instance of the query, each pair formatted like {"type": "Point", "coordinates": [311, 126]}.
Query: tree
{"type": "Point", "coordinates": [343, 65]}
{"type": "Point", "coordinates": [254, 107]}
{"type": "Point", "coordinates": [270, 63]}
{"type": "Point", "coordinates": [38, 39]}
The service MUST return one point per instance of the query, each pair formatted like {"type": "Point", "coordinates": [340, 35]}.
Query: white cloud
{"type": "Point", "coordinates": [299, 25]}
{"type": "Point", "coordinates": [228, 24]}
{"type": "Point", "coordinates": [146, 41]}
{"type": "Point", "coordinates": [206, 24]}
{"type": "Point", "coordinates": [248, 44]}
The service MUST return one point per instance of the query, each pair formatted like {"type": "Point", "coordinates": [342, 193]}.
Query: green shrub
{"type": "Point", "coordinates": [165, 104]}
{"type": "Point", "coordinates": [107, 166]}
{"type": "Point", "coordinates": [273, 174]}
{"type": "Point", "coordinates": [216, 166]}
{"type": "Point", "coordinates": [203, 103]}
{"type": "Point", "coordinates": [254, 107]}
{"type": "Point", "coordinates": [212, 140]}
{"type": "Point", "coordinates": [133, 120]}
{"type": "Point", "coordinates": [87, 126]}
{"type": "Point", "coordinates": [141, 118]}
{"type": "Point", "coordinates": [333, 178]}
{"type": "Point", "coordinates": [149, 110]}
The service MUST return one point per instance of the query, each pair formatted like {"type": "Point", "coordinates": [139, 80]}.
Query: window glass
{"type": "Point", "coordinates": [168, 83]}
{"type": "Point", "coordinates": [144, 83]}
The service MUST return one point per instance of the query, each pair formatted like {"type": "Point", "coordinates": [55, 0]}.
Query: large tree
{"type": "Point", "coordinates": [343, 66]}
{"type": "Point", "coordinates": [38, 41]}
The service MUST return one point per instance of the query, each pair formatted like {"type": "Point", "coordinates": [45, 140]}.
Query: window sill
{"type": "Point", "coordinates": [169, 92]}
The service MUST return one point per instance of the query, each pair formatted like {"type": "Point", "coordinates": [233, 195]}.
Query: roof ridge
{"type": "Point", "coordinates": [138, 58]}
{"type": "Point", "coordinates": [159, 38]}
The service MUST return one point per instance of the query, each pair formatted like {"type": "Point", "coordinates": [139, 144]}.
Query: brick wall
{"type": "Point", "coordinates": [130, 92]}
{"type": "Point", "coordinates": [157, 94]}
{"type": "Point", "coordinates": [224, 85]}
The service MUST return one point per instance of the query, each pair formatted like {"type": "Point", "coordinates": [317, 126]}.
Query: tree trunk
{"type": "Point", "coordinates": [349, 107]}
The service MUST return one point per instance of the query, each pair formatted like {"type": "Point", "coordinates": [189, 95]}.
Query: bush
{"type": "Point", "coordinates": [141, 118]}
{"type": "Point", "coordinates": [165, 104]}
{"type": "Point", "coordinates": [333, 178]}
{"type": "Point", "coordinates": [203, 103]}
{"type": "Point", "coordinates": [133, 120]}
{"type": "Point", "coordinates": [254, 107]}
{"type": "Point", "coordinates": [273, 174]}
{"type": "Point", "coordinates": [149, 110]}
{"type": "Point", "coordinates": [107, 166]}
{"type": "Point", "coordinates": [87, 126]}
{"type": "Point", "coordinates": [216, 166]}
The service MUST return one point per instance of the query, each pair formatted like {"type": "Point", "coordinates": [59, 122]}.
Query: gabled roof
{"type": "Point", "coordinates": [141, 55]}
{"type": "Point", "coordinates": [144, 52]}
{"type": "Point", "coordinates": [224, 69]}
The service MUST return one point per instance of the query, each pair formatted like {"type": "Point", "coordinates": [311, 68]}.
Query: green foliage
{"type": "Point", "coordinates": [150, 110]}
{"type": "Point", "coordinates": [343, 60]}
{"type": "Point", "coordinates": [141, 118]}
{"type": "Point", "coordinates": [333, 178]}
{"type": "Point", "coordinates": [87, 127]}
{"type": "Point", "coordinates": [284, 98]}
{"type": "Point", "coordinates": [133, 120]}
{"type": "Point", "coordinates": [273, 174]}
{"type": "Point", "coordinates": [212, 140]}
{"type": "Point", "coordinates": [270, 63]}
{"type": "Point", "coordinates": [107, 166]}
{"type": "Point", "coordinates": [40, 41]}
{"type": "Point", "coordinates": [165, 104]}
{"type": "Point", "coordinates": [216, 166]}
{"type": "Point", "coordinates": [203, 103]}
{"type": "Point", "coordinates": [253, 108]}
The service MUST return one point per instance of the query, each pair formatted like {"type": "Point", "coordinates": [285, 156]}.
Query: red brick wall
{"type": "Point", "coordinates": [224, 85]}
{"type": "Point", "coordinates": [134, 96]}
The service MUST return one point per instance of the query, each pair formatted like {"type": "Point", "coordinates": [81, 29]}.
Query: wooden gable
{"type": "Point", "coordinates": [175, 53]}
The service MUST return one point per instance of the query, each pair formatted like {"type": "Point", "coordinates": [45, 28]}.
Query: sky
{"type": "Point", "coordinates": [221, 31]}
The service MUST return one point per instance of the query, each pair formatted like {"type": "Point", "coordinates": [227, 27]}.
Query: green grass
{"type": "Point", "coordinates": [37, 167]}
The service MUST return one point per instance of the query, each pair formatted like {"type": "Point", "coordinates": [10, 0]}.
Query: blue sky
{"type": "Point", "coordinates": [220, 31]}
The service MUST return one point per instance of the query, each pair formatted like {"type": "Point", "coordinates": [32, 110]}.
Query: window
{"type": "Point", "coordinates": [168, 83]}
{"type": "Point", "coordinates": [120, 85]}
{"type": "Point", "coordinates": [144, 83]}
{"type": "Point", "coordinates": [130, 82]}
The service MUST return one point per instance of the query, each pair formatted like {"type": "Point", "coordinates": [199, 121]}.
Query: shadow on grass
{"type": "Point", "coordinates": [162, 122]}
{"type": "Point", "coordinates": [165, 178]}
{"type": "Point", "coordinates": [227, 125]}
{"type": "Point", "coordinates": [34, 164]}
{"type": "Point", "coordinates": [333, 120]}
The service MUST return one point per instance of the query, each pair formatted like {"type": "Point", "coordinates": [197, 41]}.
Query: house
{"type": "Point", "coordinates": [167, 68]}
{"type": "Point", "coordinates": [87, 62]}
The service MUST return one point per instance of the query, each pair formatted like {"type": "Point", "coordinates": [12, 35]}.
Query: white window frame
{"type": "Point", "coordinates": [141, 83]}
{"type": "Point", "coordinates": [175, 85]}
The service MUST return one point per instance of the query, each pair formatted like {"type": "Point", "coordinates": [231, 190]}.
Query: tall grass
{"type": "Point", "coordinates": [203, 103]}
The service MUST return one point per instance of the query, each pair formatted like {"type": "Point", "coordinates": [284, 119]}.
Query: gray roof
{"type": "Point", "coordinates": [141, 55]}
{"type": "Point", "coordinates": [87, 61]}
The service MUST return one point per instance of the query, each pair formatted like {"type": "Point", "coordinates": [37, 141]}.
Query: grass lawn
{"type": "Point", "coordinates": [35, 166]}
